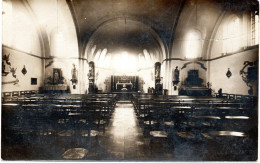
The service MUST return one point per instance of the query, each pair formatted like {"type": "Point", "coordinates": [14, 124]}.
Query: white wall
{"type": "Point", "coordinates": [234, 84]}
{"type": "Point", "coordinates": [20, 39]}
{"type": "Point", "coordinates": [33, 66]}
{"type": "Point", "coordinates": [19, 31]}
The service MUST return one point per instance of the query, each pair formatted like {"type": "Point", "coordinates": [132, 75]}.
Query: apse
{"type": "Point", "coordinates": [124, 45]}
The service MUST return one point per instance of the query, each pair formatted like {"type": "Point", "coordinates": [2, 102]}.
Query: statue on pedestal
{"type": "Point", "coordinates": [74, 73]}
{"type": "Point", "coordinates": [91, 77]}
{"type": "Point", "coordinates": [175, 76]}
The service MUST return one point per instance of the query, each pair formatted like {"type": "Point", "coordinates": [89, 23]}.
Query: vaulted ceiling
{"type": "Point", "coordinates": [159, 15]}
{"type": "Point", "coordinates": [162, 16]}
{"type": "Point", "coordinates": [155, 25]}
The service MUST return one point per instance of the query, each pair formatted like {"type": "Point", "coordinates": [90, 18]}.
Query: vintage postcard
{"type": "Point", "coordinates": [130, 80]}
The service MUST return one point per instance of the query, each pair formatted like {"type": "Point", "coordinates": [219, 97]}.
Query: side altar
{"type": "Point", "coordinates": [56, 82]}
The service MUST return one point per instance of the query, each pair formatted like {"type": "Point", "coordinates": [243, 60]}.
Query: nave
{"type": "Point", "coordinates": [145, 127]}
{"type": "Point", "coordinates": [130, 80]}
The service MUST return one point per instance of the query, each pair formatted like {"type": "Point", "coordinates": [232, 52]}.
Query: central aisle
{"type": "Point", "coordinates": [124, 139]}
{"type": "Point", "coordinates": [124, 133]}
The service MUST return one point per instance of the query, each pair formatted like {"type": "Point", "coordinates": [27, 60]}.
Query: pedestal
{"type": "Point", "coordinates": [175, 90]}
{"type": "Point", "coordinates": [74, 91]}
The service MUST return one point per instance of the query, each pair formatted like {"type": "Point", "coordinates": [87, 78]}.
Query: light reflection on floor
{"type": "Point", "coordinates": [124, 121]}
{"type": "Point", "coordinates": [124, 138]}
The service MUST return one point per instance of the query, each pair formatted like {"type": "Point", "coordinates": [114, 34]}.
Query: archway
{"type": "Point", "coordinates": [125, 47]}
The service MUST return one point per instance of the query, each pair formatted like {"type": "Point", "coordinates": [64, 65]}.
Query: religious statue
{"type": "Point", "coordinates": [13, 71]}
{"type": "Point", "coordinates": [74, 73]}
{"type": "Point", "coordinates": [158, 84]}
{"type": "Point", "coordinates": [56, 77]}
{"type": "Point", "coordinates": [91, 71]}
{"type": "Point", "coordinates": [176, 74]}
{"type": "Point", "coordinates": [157, 72]}
{"type": "Point", "coordinates": [6, 66]}
{"type": "Point", "coordinates": [91, 77]}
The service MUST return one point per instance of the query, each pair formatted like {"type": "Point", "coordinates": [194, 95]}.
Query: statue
{"type": "Point", "coordinates": [74, 73]}
{"type": "Point", "coordinates": [13, 70]}
{"type": "Point", "coordinates": [56, 77]}
{"type": "Point", "coordinates": [6, 65]}
{"type": "Point", "coordinates": [157, 72]}
{"type": "Point", "coordinates": [176, 74]}
{"type": "Point", "coordinates": [91, 77]}
{"type": "Point", "coordinates": [91, 72]}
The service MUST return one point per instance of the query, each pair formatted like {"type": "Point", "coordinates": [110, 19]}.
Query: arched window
{"type": "Point", "coordinates": [102, 58]}
{"type": "Point", "coordinates": [148, 60]}
{"type": "Point", "coordinates": [193, 44]}
{"type": "Point", "coordinates": [96, 58]}
{"type": "Point", "coordinates": [255, 27]}
{"type": "Point", "coordinates": [107, 62]}
{"type": "Point", "coordinates": [232, 35]}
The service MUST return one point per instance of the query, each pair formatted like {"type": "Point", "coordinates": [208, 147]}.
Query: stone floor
{"type": "Point", "coordinates": [124, 139]}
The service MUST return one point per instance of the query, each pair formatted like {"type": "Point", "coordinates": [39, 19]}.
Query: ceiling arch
{"type": "Point", "coordinates": [123, 34]}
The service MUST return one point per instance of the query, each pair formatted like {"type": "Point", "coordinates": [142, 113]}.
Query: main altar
{"type": "Point", "coordinates": [124, 83]}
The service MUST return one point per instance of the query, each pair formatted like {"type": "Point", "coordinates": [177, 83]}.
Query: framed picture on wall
{"type": "Point", "coordinates": [33, 81]}
{"type": "Point", "coordinates": [57, 76]}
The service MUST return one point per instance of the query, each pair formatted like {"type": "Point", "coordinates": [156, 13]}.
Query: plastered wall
{"type": "Point", "coordinates": [234, 84]}
{"type": "Point", "coordinates": [18, 60]}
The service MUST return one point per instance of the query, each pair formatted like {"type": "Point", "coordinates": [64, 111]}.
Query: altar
{"type": "Point", "coordinates": [124, 86]}
{"type": "Point", "coordinates": [192, 86]}
{"type": "Point", "coordinates": [124, 83]}
{"type": "Point", "coordinates": [56, 88]}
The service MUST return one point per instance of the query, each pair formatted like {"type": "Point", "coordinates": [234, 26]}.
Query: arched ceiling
{"type": "Point", "coordinates": [167, 18]}
{"type": "Point", "coordinates": [125, 35]}
{"type": "Point", "coordinates": [160, 15]}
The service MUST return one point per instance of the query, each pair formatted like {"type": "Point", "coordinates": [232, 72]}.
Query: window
{"type": "Point", "coordinates": [254, 28]}
{"type": "Point", "coordinates": [193, 44]}
{"type": "Point", "coordinates": [232, 35]}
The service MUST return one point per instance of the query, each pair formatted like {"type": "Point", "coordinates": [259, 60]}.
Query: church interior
{"type": "Point", "coordinates": [121, 80]}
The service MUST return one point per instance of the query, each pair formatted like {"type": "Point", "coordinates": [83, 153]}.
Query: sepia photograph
{"type": "Point", "coordinates": [129, 80]}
